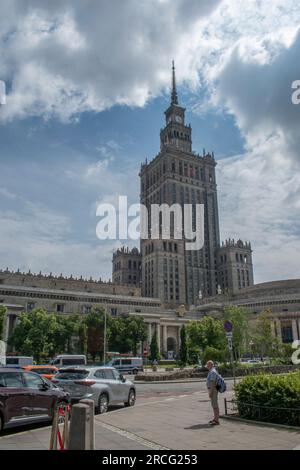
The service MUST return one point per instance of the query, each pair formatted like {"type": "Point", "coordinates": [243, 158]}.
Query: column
{"type": "Point", "coordinates": [278, 328]}
{"type": "Point", "coordinates": [165, 338]}
{"type": "Point", "coordinates": [273, 330]}
{"type": "Point", "coordinates": [149, 333]}
{"type": "Point", "coordinates": [295, 331]}
{"type": "Point", "coordinates": [6, 332]}
{"type": "Point", "coordinates": [299, 326]}
{"type": "Point", "coordinates": [158, 335]}
{"type": "Point", "coordinates": [179, 338]}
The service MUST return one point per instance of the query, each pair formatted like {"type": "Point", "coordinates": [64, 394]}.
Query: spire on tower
{"type": "Point", "coordinates": [174, 97]}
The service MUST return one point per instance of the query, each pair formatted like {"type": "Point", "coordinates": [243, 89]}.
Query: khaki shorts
{"type": "Point", "coordinates": [214, 398]}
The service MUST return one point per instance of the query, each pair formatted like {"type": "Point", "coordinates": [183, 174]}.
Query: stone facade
{"type": "Point", "coordinates": [127, 266]}
{"type": "Point", "coordinates": [281, 297]}
{"type": "Point", "coordinates": [51, 281]}
{"type": "Point", "coordinates": [235, 267]}
{"type": "Point", "coordinates": [20, 292]}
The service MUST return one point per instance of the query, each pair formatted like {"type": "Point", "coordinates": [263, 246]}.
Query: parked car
{"type": "Point", "coordinates": [127, 364]}
{"type": "Point", "coordinates": [18, 361]}
{"type": "Point", "coordinates": [27, 397]}
{"type": "Point", "coordinates": [105, 385]}
{"type": "Point", "coordinates": [69, 360]}
{"type": "Point", "coordinates": [48, 372]}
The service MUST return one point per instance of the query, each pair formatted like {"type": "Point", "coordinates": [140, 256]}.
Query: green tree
{"type": "Point", "coordinates": [207, 332]}
{"type": "Point", "coordinates": [125, 333]}
{"type": "Point", "coordinates": [82, 337]}
{"type": "Point", "coordinates": [154, 351]}
{"type": "Point", "coordinates": [136, 330]}
{"type": "Point", "coordinates": [239, 317]}
{"type": "Point", "coordinates": [183, 354]}
{"type": "Point", "coordinates": [64, 334]}
{"type": "Point", "coordinates": [3, 311]}
{"type": "Point", "coordinates": [95, 331]}
{"type": "Point", "coordinates": [265, 342]}
{"type": "Point", "coordinates": [212, 354]}
{"type": "Point", "coordinates": [119, 340]}
{"type": "Point", "coordinates": [34, 334]}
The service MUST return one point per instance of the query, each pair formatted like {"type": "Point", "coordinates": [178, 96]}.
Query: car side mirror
{"type": "Point", "coordinates": [122, 378]}
{"type": "Point", "coordinates": [44, 386]}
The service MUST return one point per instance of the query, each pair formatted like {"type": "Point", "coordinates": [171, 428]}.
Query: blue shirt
{"type": "Point", "coordinates": [211, 376]}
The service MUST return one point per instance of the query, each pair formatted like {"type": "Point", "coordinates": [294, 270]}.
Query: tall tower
{"type": "Point", "coordinates": [235, 266]}
{"type": "Point", "coordinates": [177, 175]}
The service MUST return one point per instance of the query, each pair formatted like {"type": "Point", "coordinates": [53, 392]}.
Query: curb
{"type": "Point", "coordinates": [261, 423]}
{"type": "Point", "coordinates": [136, 382]}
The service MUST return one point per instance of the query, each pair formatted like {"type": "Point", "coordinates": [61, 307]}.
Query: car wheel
{"type": "Point", "coordinates": [102, 404]}
{"type": "Point", "coordinates": [131, 398]}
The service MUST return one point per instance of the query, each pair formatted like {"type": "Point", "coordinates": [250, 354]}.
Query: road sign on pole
{"type": "Point", "coordinates": [228, 325]}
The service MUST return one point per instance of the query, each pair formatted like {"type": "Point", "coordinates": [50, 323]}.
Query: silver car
{"type": "Point", "coordinates": [105, 385]}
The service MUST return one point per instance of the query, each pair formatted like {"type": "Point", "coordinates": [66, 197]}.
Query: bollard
{"type": "Point", "coordinates": [80, 427]}
{"type": "Point", "coordinates": [91, 404]}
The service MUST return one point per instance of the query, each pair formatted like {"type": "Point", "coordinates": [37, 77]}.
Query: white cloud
{"type": "Point", "coordinates": [6, 193]}
{"type": "Point", "coordinates": [262, 205]}
{"type": "Point", "coordinates": [63, 60]}
{"type": "Point", "coordinates": [90, 55]}
{"type": "Point", "coordinates": [40, 239]}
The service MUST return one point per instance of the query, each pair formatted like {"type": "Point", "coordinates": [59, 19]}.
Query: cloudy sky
{"type": "Point", "coordinates": [87, 84]}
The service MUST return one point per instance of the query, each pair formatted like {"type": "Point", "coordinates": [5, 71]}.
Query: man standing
{"type": "Point", "coordinates": [213, 392]}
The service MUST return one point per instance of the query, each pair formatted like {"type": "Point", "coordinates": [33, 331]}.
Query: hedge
{"type": "Point", "coordinates": [271, 398]}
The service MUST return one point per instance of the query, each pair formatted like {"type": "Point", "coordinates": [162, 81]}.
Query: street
{"type": "Point", "coordinates": [166, 416]}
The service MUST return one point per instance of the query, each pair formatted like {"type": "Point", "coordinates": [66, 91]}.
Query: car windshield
{"type": "Point", "coordinates": [72, 374]}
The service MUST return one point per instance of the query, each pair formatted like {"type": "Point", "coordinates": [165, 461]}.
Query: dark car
{"type": "Point", "coordinates": [27, 397]}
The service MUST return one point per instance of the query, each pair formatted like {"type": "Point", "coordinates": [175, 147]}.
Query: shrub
{"type": "Point", "coordinates": [212, 354]}
{"type": "Point", "coordinates": [271, 398]}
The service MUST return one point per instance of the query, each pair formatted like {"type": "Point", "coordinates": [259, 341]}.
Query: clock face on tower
{"type": "Point", "coordinates": [178, 119]}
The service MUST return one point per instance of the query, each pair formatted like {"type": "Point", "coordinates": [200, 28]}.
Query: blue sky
{"type": "Point", "coordinates": [85, 105]}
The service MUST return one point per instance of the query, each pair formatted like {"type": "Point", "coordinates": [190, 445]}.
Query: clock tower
{"type": "Point", "coordinates": [176, 133]}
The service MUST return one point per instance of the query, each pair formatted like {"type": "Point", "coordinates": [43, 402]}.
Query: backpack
{"type": "Point", "coordinates": [220, 384]}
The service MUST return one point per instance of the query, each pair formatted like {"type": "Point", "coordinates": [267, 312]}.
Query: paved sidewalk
{"type": "Point", "coordinates": [178, 422]}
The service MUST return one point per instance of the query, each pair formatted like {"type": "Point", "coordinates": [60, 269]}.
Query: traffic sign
{"type": "Point", "coordinates": [229, 335]}
{"type": "Point", "coordinates": [228, 325]}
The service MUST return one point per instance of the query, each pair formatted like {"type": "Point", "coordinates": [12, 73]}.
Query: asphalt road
{"type": "Point", "coordinates": [149, 390]}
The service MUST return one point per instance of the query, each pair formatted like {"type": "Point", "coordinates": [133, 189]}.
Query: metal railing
{"type": "Point", "coordinates": [263, 413]}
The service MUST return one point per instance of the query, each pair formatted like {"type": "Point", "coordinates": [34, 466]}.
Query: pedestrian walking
{"type": "Point", "coordinates": [211, 383]}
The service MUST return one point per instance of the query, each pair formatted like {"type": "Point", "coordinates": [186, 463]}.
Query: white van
{"type": "Point", "coordinates": [19, 361]}
{"type": "Point", "coordinates": [69, 360]}
{"type": "Point", "coordinates": [127, 364]}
